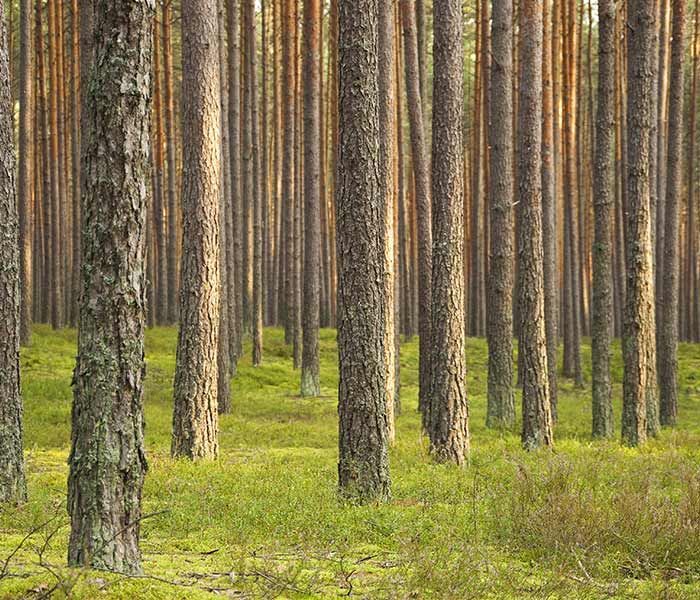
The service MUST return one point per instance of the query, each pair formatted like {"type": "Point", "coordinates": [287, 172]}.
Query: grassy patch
{"type": "Point", "coordinates": [589, 520]}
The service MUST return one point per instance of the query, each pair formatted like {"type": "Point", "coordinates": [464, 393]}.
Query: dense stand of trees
{"type": "Point", "coordinates": [230, 164]}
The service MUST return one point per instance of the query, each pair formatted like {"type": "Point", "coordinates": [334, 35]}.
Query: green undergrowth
{"type": "Point", "coordinates": [588, 520]}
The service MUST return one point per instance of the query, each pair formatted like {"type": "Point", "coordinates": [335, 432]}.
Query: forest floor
{"type": "Point", "coordinates": [588, 520]}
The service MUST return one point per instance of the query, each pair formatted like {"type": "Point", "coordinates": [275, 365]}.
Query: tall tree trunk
{"type": "Point", "coordinates": [549, 203]}
{"type": "Point", "coordinates": [449, 411]}
{"type": "Point", "coordinates": [387, 114]}
{"type": "Point", "coordinates": [224, 349]}
{"type": "Point", "coordinates": [310, 385]}
{"type": "Point", "coordinates": [537, 418]}
{"type": "Point", "coordinates": [173, 206]}
{"type": "Point", "coordinates": [195, 417]}
{"type": "Point", "coordinates": [423, 203]}
{"type": "Point", "coordinates": [363, 467]}
{"type": "Point", "coordinates": [638, 336]}
{"type": "Point", "coordinates": [26, 159]}
{"type": "Point", "coordinates": [107, 459]}
{"type": "Point", "coordinates": [289, 120]}
{"type": "Point", "coordinates": [501, 403]}
{"type": "Point", "coordinates": [603, 204]}
{"type": "Point", "coordinates": [668, 349]}
{"type": "Point", "coordinates": [13, 487]}
{"type": "Point", "coordinates": [234, 100]}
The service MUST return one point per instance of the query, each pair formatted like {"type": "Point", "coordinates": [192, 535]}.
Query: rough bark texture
{"type": "Point", "coordinates": [668, 350]}
{"type": "Point", "coordinates": [638, 328]}
{"type": "Point", "coordinates": [107, 460]}
{"type": "Point", "coordinates": [12, 483]}
{"type": "Point", "coordinates": [549, 203]}
{"type": "Point", "coordinates": [195, 417]}
{"type": "Point", "coordinates": [603, 205]}
{"type": "Point", "coordinates": [387, 115]}
{"type": "Point", "coordinates": [537, 418]}
{"type": "Point", "coordinates": [26, 159]}
{"type": "Point", "coordinates": [310, 385]}
{"type": "Point", "coordinates": [234, 99]}
{"type": "Point", "coordinates": [363, 467]}
{"type": "Point", "coordinates": [422, 196]}
{"type": "Point", "coordinates": [501, 403]}
{"type": "Point", "coordinates": [224, 350]}
{"type": "Point", "coordinates": [449, 412]}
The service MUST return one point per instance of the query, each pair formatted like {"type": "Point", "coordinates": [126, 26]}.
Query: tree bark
{"type": "Point", "coordinates": [423, 203]}
{"type": "Point", "coordinates": [668, 349]}
{"type": "Point", "coordinates": [195, 417]}
{"type": "Point", "coordinates": [449, 411]}
{"type": "Point", "coordinates": [310, 385]}
{"type": "Point", "coordinates": [107, 459]}
{"type": "Point", "coordinates": [25, 175]}
{"type": "Point", "coordinates": [537, 418]}
{"type": "Point", "coordinates": [638, 335]}
{"type": "Point", "coordinates": [363, 467]}
{"type": "Point", "coordinates": [603, 200]}
{"type": "Point", "coordinates": [13, 487]}
{"type": "Point", "coordinates": [500, 398]}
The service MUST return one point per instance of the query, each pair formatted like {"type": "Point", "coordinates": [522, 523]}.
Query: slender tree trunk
{"type": "Point", "coordinates": [173, 206]}
{"type": "Point", "coordinates": [501, 403]}
{"type": "Point", "coordinates": [638, 336]}
{"type": "Point", "coordinates": [387, 114]}
{"type": "Point", "coordinates": [423, 202]}
{"type": "Point", "coordinates": [449, 411]}
{"type": "Point", "coordinates": [13, 487]}
{"type": "Point", "coordinates": [363, 467]}
{"type": "Point", "coordinates": [234, 100]}
{"type": "Point", "coordinates": [603, 204]}
{"type": "Point", "coordinates": [537, 418]}
{"type": "Point", "coordinates": [289, 120]}
{"type": "Point", "coordinates": [549, 204]}
{"type": "Point", "coordinates": [107, 459]}
{"type": "Point", "coordinates": [224, 349]}
{"type": "Point", "coordinates": [310, 385]}
{"type": "Point", "coordinates": [668, 349]}
{"type": "Point", "coordinates": [195, 417]}
{"type": "Point", "coordinates": [25, 175]}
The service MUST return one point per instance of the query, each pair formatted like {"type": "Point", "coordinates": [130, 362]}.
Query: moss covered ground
{"type": "Point", "coordinates": [587, 520]}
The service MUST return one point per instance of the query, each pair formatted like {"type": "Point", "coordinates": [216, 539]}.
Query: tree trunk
{"type": "Point", "coordinates": [25, 174]}
{"type": "Point", "coordinates": [668, 349]}
{"type": "Point", "coordinates": [13, 487]}
{"type": "Point", "coordinates": [449, 411]}
{"type": "Point", "coordinates": [537, 418]}
{"type": "Point", "coordinates": [549, 204]}
{"type": "Point", "coordinates": [423, 202]}
{"type": "Point", "coordinates": [363, 467]}
{"type": "Point", "coordinates": [638, 335]}
{"type": "Point", "coordinates": [603, 200]}
{"type": "Point", "coordinates": [107, 458]}
{"type": "Point", "coordinates": [289, 120]}
{"type": "Point", "coordinates": [195, 418]}
{"type": "Point", "coordinates": [310, 385]}
{"type": "Point", "coordinates": [500, 403]}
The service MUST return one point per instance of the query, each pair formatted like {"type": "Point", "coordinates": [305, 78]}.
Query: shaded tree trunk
{"type": "Point", "coordinates": [363, 467]}
{"type": "Point", "coordinates": [537, 418]}
{"type": "Point", "coordinates": [310, 385]}
{"type": "Point", "coordinates": [501, 403]}
{"type": "Point", "coordinates": [13, 487]}
{"type": "Point", "coordinates": [195, 417]}
{"type": "Point", "coordinates": [449, 411]}
{"type": "Point", "coordinates": [25, 174]}
{"type": "Point", "coordinates": [668, 349]}
{"type": "Point", "coordinates": [603, 204]}
{"type": "Point", "coordinates": [423, 202]}
{"type": "Point", "coordinates": [638, 336]}
{"type": "Point", "coordinates": [107, 459]}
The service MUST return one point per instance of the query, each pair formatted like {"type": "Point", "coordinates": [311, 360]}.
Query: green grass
{"type": "Point", "coordinates": [588, 520]}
